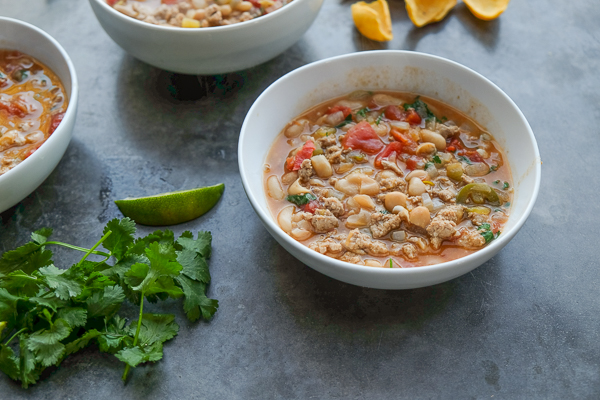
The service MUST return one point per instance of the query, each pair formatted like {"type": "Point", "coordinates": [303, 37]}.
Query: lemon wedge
{"type": "Point", "coordinates": [373, 20]}
{"type": "Point", "coordinates": [487, 9]}
{"type": "Point", "coordinates": [423, 12]}
{"type": "Point", "coordinates": [171, 208]}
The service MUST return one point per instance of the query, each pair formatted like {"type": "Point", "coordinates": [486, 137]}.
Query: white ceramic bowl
{"type": "Point", "coordinates": [420, 73]}
{"type": "Point", "coordinates": [214, 50]}
{"type": "Point", "coordinates": [23, 179]}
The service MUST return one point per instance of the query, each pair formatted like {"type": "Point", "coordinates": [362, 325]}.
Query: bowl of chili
{"type": "Point", "coordinates": [38, 103]}
{"type": "Point", "coordinates": [208, 50]}
{"type": "Point", "coordinates": [375, 71]}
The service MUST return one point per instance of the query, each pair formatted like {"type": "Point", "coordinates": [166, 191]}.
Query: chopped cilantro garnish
{"type": "Point", "coordinates": [506, 185]}
{"type": "Point", "coordinates": [493, 168]}
{"type": "Point", "coordinates": [301, 199]}
{"type": "Point", "coordinates": [421, 108]}
{"type": "Point", "coordinates": [497, 181]}
{"type": "Point", "coordinates": [391, 263]}
{"type": "Point", "coordinates": [363, 112]}
{"type": "Point", "coordinates": [345, 122]}
{"type": "Point", "coordinates": [436, 159]}
{"type": "Point", "coordinates": [465, 159]}
{"type": "Point", "coordinates": [427, 165]}
{"type": "Point", "coordinates": [507, 204]}
{"type": "Point", "coordinates": [487, 233]}
{"type": "Point", "coordinates": [378, 120]}
{"type": "Point", "coordinates": [384, 211]}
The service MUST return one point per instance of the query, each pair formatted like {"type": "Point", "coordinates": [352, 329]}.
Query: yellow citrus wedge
{"type": "Point", "coordinates": [171, 208]}
{"type": "Point", "coordinates": [373, 20]}
{"type": "Point", "coordinates": [423, 12]}
{"type": "Point", "coordinates": [487, 9]}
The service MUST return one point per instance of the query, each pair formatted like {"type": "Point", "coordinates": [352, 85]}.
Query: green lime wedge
{"type": "Point", "coordinates": [171, 208]}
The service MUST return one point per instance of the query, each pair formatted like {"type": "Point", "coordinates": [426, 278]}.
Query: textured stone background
{"type": "Point", "coordinates": [523, 325]}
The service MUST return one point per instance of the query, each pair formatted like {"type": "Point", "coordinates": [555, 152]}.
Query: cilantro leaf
{"type": "Point", "coordinates": [81, 342]}
{"type": "Point", "coordinates": [41, 236]}
{"type": "Point", "coordinates": [46, 344]}
{"type": "Point", "coordinates": [73, 316]}
{"type": "Point", "coordinates": [345, 122]}
{"type": "Point", "coordinates": [29, 372]}
{"type": "Point", "coordinates": [105, 303]}
{"type": "Point", "coordinates": [157, 328]}
{"type": "Point", "coordinates": [437, 159]}
{"type": "Point", "coordinates": [193, 255]}
{"type": "Point", "coordinates": [487, 233]}
{"type": "Point", "coordinates": [506, 185]}
{"type": "Point", "coordinates": [421, 108]}
{"type": "Point", "coordinates": [134, 356]}
{"type": "Point", "coordinates": [161, 264]}
{"type": "Point", "coordinates": [201, 245]}
{"type": "Point", "coordinates": [64, 288]}
{"type": "Point", "coordinates": [8, 362]}
{"type": "Point", "coordinates": [196, 303]}
{"type": "Point", "coordinates": [301, 199]}
{"type": "Point", "coordinates": [378, 120]}
{"type": "Point", "coordinates": [363, 112]}
{"type": "Point", "coordinates": [121, 237]}
{"type": "Point", "coordinates": [27, 258]}
{"type": "Point", "coordinates": [8, 305]}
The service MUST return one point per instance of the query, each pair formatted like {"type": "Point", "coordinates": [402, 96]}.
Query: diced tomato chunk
{"type": "Point", "coordinates": [394, 113]}
{"type": "Point", "coordinates": [472, 155]}
{"type": "Point", "coordinates": [346, 110]}
{"type": "Point", "coordinates": [294, 163]}
{"type": "Point", "coordinates": [412, 162]}
{"type": "Point", "coordinates": [412, 117]}
{"type": "Point", "coordinates": [56, 120]}
{"type": "Point", "coordinates": [409, 145]}
{"type": "Point", "coordinates": [311, 206]}
{"type": "Point", "coordinates": [111, 2]}
{"type": "Point", "coordinates": [393, 147]}
{"type": "Point", "coordinates": [363, 137]}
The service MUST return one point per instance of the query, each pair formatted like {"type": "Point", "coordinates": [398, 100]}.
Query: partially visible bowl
{"type": "Point", "coordinates": [424, 74]}
{"type": "Point", "coordinates": [213, 50]}
{"type": "Point", "coordinates": [24, 178]}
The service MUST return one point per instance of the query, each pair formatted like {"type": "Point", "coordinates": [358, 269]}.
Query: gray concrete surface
{"type": "Point", "coordinates": [524, 325]}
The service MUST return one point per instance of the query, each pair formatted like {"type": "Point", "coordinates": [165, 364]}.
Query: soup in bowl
{"type": "Point", "coordinates": [478, 116]}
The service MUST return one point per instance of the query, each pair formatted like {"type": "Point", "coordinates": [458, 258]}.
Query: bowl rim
{"type": "Point", "coordinates": [71, 108]}
{"type": "Point", "coordinates": [190, 31]}
{"type": "Point", "coordinates": [487, 252]}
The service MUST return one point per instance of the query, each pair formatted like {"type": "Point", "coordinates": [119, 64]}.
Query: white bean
{"type": "Point", "coordinates": [435, 138]}
{"type": "Point", "coordinates": [394, 199]}
{"type": "Point", "coordinates": [373, 263]}
{"type": "Point", "coordinates": [416, 187]}
{"type": "Point", "coordinates": [284, 219]}
{"type": "Point", "coordinates": [300, 234]}
{"type": "Point", "coordinates": [420, 216]}
{"type": "Point", "coordinates": [297, 188]}
{"type": "Point", "coordinates": [274, 188]}
{"type": "Point", "coordinates": [425, 149]}
{"type": "Point", "coordinates": [322, 166]}
{"type": "Point", "coordinates": [417, 173]}
{"type": "Point", "coordinates": [364, 201]}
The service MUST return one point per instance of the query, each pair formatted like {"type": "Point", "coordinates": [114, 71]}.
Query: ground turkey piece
{"type": "Point", "coordinates": [394, 184]}
{"type": "Point", "coordinates": [382, 224]}
{"type": "Point", "coordinates": [470, 238]}
{"type": "Point", "coordinates": [351, 257]}
{"type": "Point", "coordinates": [445, 195]}
{"type": "Point", "coordinates": [410, 251]}
{"type": "Point", "coordinates": [334, 205]}
{"type": "Point", "coordinates": [324, 220]}
{"type": "Point", "coordinates": [306, 171]}
{"type": "Point", "coordinates": [361, 243]}
{"type": "Point", "coordinates": [477, 219]}
{"type": "Point", "coordinates": [334, 155]}
{"type": "Point", "coordinates": [443, 225]}
{"type": "Point", "coordinates": [327, 246]}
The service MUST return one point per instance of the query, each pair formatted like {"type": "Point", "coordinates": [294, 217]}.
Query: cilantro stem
{"type": "Point", "coordinates": [90, 251]}
{"type": "Point", "coordinates": [137, 334]}
{"type": "Point", "coordinates": [70, 246]}
{"type": "Point", "coordinates": [14, 336]}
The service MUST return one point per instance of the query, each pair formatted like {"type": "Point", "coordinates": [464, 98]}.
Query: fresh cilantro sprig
{"type": "Point", "coordinates": [487, 233]}
{"type": "Point", "coordinates": [47, 313]}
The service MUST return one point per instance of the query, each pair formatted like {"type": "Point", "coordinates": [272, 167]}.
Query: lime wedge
{"type": "Point", "coordinates": [171, 208]}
